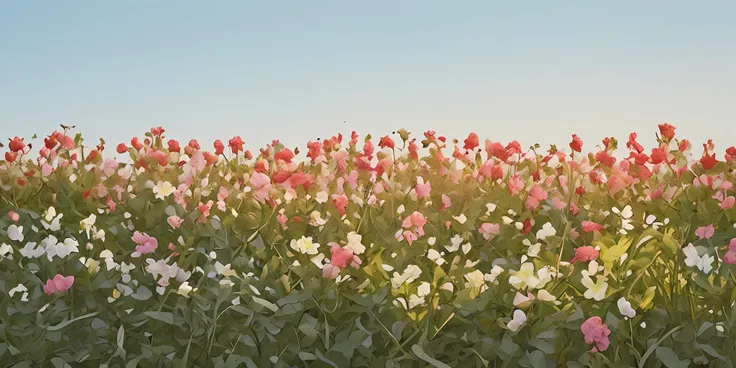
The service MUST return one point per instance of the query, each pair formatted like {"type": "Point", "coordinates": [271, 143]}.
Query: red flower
{"type": "Point", "coordinates": [136, 143]}
{"type": "Point", "coordinates": [632, 144]}
{"type": "Point", "coordinates": [368, 148]}
{"type": "Point", "coordinates": [284, 155]}
{"type": "Point", "coordinates": [604, 158]}
{"type": "Point", "coordinates": [576, 144]}
{"type": "Point", "coordinates": [659, 154]}
{"type": "Point", "coordinates": [731, 153]}
{"type": "Point", "coordinates": [158, 131]}
{"type": "Point", "coordinates": [708, 161]}
{"type": "Point", "coordinates": [667, 131]}
{"type": "Point", "coordinates": [92, 155]}
{"type": "Point", "coordinates": [236, 144]}
{"type": "Point", "coordinates": [16, 144]}
{"type": "Point", "coordinates": [193, 143]}
{"type": "Point", "coordinates": [340, 203]}
{"type": "Point", "coordinates": [219, 147]}
{"type": "Point", "coordinates": [10, 156]}
{"type": "Point", "coordinates": [579, 190]}
{"type": "Point", "coordinates": [471, 142]}
{"type": "Point", "coordinates": [173, 145]}
{"type": "Point", "coordinates": [386, 141]}
{"type": "Point", "coordinates": [210, 158]}
{"type": "Point", "coordinates": [684, 145]}
{"type": "Point", "coordinates": [122, 148]}
{"type": "Point", "coordinates": [497, 150]}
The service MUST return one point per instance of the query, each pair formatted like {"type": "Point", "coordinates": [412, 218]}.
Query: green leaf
{"type": "Point", "coordinates": [419, 352]}
{"type": "Point", "coordinates": [166, 317]}
{"type": "Point", "coordinates": [67, 323]}
{"type": "Point", "coordinates": [266, 303]}
{"type": "Point", "coordinates": [670, 358]}
{"type": "Point", "coordinates": [306, 356]}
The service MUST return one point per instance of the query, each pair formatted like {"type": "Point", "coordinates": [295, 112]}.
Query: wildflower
{"type": "Point", "coordinates": [546, 231]}
{"type": "Point", "coordinates": [305, 245]}
{"type": "Point", "coordinates": [489, 230]}
{"type": "Point", "coordinates": [576, 144]}
{"type": "Point", "coordinates": [410, 274]}
{"type": "Point", "coordinates": [705, 232]}
{"type": "Point", "coordinates": [596, 332]}
{"type": "Point", "coordinates": [19, 289]}
{"type": "Point", "coordinates": [175, 221]}
{"type": "Point", "coordinates": [184, 289]}
{"type": "Point", "coordinates": [590, 226]}
{"type": "Point", "coordinates": [475, 279]}
{"type": "Point", "coordinates": [88, 223]}
{"type": "Point", "coordinates": [517, 322]}
{"type": "Point", "coordinates": [692, 259]}
{"type": "Point", "coordinates": [596, 290]}
{"type": "Point", "coordinates": [58, 284]}
{"type": "Point", "coordinates": [422, 189]}
{"type": "Point", "coordinates": [584, 254]}
{"type": "Point", "coordinates": [15, 233]}
{"type": "Point", "coordinates": [525, 277]}
{"type": "Point", "coordinates": [146, 243]}
{"type": "Point", "coordinates": [51, 221]}
{"type": "Point", "coordinates": [62, 250]}
{"type": "Point", "coordinates": [163, 189]}
{"type": "Point", "coordinates": [624, 307]}
{"type": "Point", "coordinates": [330, 271]}
{"type": "Point", "coordinates": [354, 243]}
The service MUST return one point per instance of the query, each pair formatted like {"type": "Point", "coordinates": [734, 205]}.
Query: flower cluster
{"type": "Point", "coordinates": [452, 253]}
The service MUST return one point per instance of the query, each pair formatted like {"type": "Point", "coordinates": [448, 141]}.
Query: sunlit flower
{"type": "Point", "coordinates": [595, 290]}
{"type": "Point", "coordinates": [475, 279]}
{"type": "Point", "coordinates": [354, 243]}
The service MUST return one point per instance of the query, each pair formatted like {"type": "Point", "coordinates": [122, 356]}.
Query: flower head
{"type": "Point", "coordinates": [58, 284]}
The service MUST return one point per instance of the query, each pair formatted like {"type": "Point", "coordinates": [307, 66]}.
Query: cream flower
{"type": "Point", "coordinates": [546, 231]}
{"type": "Point", "coordinates": [410, 274]}
{"type": "Point", "coordinates": [525, 277]}
{"type": "Point", "coordinates": [518, 321]}
{"type": "Point", "coordinates": [354, 243]}
{"type": "Point", "coordinates": [475, 279]}
{"type": "Point", "coordinates": [305, 245]}
{"type": "Point", "coordinates": [596, 290]}
{"type": "Point", "coordinates": [703, 263]}
{"type": "Point", "coordinates": [163, 189]}
{"type": "Point", "coordinates": [625, 308]}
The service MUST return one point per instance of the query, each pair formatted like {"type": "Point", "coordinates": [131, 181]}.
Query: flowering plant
{"type": "Point", "coordinates": [357, 255]}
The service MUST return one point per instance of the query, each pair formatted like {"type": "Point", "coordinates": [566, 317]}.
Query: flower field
{"type": "Point", "coordinates": [403, 251]}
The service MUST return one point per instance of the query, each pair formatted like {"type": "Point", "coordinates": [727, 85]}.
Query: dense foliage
{"type": "Point", "coordinates": [365, 256]}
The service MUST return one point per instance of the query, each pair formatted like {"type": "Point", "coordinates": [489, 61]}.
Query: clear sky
{"type": "Point", "coordinates": [535, 71]}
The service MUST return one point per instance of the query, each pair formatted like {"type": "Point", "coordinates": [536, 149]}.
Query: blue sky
{"type": "Point", "coordinates": [295, 70]}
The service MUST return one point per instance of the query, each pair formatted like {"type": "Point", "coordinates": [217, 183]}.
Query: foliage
{"type": "Point", "coordinates": [366, 257]}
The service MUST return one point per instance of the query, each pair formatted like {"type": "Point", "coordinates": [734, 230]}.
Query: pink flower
{"type": "Point", "coordinates": [282, 219]}
{"type": "Point", "coordinates": [730, 257]}
{"type": "Point", "coordinates": [14, 216]}
{"type": "Point", "coordinates": [46, 170]}
{"type": "Point", "coordinates": [409, 236]}
{"type": "Point", "coordinates": [415, 219]}
{"type": "Point", "coordinates": [146, 244]}
{"type": "Point", "coordinates": [515, 184]}
{"type": "Point", "coordinates": [423, 188]}
{"type": "Point", "coordinates": [596, 332]}
{"type": "Point", "coordinates": [262, 183]}
{"type": "Point", "coordinates": [728, 203]}
{"type": "Point", "coordinates": [175, 221]}
{"type": "Point", "coordinates": [705, 232]}
{"type": "Point", "coordinates": [330, 272]}
{"type": "Point", "coordinates": [340, 256]}
{"type": "Point", "coordinates": [58, 284]}
{"type": "Point", "coordinates": [536, 195]}
{"type": "Point", "coordinates": [584, 254]}
{"type": "Point", "coordinates": [204, 210]}
{"type": "Point", "coordinates": [489, 230]}
{"type": "Point", "coordinates": [590, 226]}
{"type": "Point", "coordinates": [732, 245]}
{"type": "Point", "coordinates": [446, 202]}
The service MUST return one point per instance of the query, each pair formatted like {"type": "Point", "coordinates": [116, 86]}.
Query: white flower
{"type": "Point", "coordinates": [435, 256]}
{"type": "Point", "coordinates": [625, 308]}
{"type": "Point", "coordinates": [507, 220]}
{"type": "Point", "coordinates": [490, 208]}
{"type": "Point", "coordinates": [460, 219]}
{"type": "Point", "coordinates": [354, 243]}
{"type": "Point", "coordinates": [545, 296]}
{"type": "Point", "coordinates": [410, 274]}
{"type": "Point", "coordinates": [534, 249]}
{"type": "Point", "coordinates": [315, 219]}
{"type": "Point", "coordinates": [305, 245]}
{"type": "Point", "coordinates": [423, 289]}
{"type": "Point", "coordinates": [525, 277]}
{"type": "Point", "coordinates": [522, 301]}
{"type": "Point", "coordinates": [92, 265]}
{"type": "Point", "coordinates": [448, 286]}
{"type": "Point", "coordinates": [643, 324]}
{"type": "Point", "coordinates": [596, 290]}
{"type": "Point", "coordinates": [51, 220]}
{"type": "Point", "coordinates": [415, 300]}
{"type": "Point", "coordinates": [626, 215]}
{"type": "Point", "coordinates": [322, 197]}
{"type": "Point", "coordinates": [400, 210]}
{"type": "Point", "coordinates": [6, 250]}
{"type": "Point", "coordinates": [495, 272]}
{"type": "Point", "coordinates": [704, 263]}
{"type": "Point", "coordinates": [15, 233]}
{"type": "Point", "coordinates": [547, 230]}
{"type": "Point", "coordinates": [456, 241]}
{"type": "Point", "coordinates": [19, 289]}
{"type": "Point", "coordinates": [185, 289]}
{"type": "Point", "coordinates": [61, 250]}
{"type": "Point", "coordinates": [475, 279]}
{"type": "Point", "coordinates": [87, 224]}
{"type": "Point", "coordinates": [224, 270]}
{"type": "Point", "coordinates": [518, 321]}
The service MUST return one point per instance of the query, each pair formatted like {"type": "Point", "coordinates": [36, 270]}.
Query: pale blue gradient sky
{"type": "Point", "coordinates": [295, 70]}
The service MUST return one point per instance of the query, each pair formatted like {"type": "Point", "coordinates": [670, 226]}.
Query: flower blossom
{"type": "Point", "coordinates": [596, 332]}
